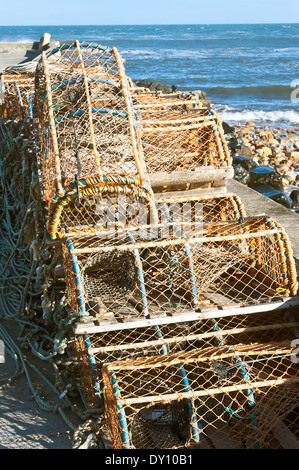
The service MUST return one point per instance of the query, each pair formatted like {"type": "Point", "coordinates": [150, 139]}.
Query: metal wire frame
{"type": "Point", "coordinates": [215, 207]}
{"type": "Point", "coordinates": [194, 424]}
{"type": "Point", "coordinates": [130, 341]}
{"type": "Point", "coordinates": [144, 99]}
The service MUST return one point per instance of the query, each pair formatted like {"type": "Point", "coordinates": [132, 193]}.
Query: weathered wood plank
{"type": "Point", "coordinates": [191, 194]}
{"type": "Point", "coordinates": [190, 316]}
{"type": "Point", "coordinates": [183, 178]}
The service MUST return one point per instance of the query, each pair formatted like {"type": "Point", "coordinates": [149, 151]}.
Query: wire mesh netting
{"type": "Point", "coordinates": [102, 203]}
{"type": "Point", "coordinates": [127, 341]}
{"type": "Point", "coordinates": [197, 208]}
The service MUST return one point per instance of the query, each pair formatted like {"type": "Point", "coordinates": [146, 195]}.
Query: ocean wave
{"type": "Point", "coordinates": [138, 52]}
{"type": "Point", "coordinates": [258, 116]}
{"type": "Point", "coordinates": [279, 91]}
{"type": "Point", "coordinates": [18, 41]}
{"type": "Point", "coordinates": [171, 53]}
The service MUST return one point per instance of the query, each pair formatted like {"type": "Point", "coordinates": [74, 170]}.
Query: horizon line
{"type": "Point", "coordinates": [152, 24]}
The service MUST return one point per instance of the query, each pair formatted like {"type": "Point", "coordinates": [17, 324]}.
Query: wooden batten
{"type": "Point", "coordinates": [202, 177]}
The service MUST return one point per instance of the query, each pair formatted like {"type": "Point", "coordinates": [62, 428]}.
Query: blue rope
{"type": "Point", "coordinates": [79, 79]}
{"type": "Point", "coordinates": [93, 110]}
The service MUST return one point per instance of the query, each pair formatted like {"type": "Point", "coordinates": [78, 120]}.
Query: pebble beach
{"type": "Point", "coordinates": [266, 158]}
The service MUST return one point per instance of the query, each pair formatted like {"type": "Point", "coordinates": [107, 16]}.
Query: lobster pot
{"type": "Point", "coordinates": [86, 123]}
{"type": "Point", "coordinates": [161, 272]}
{"type": "Point", "coordinates": [145, 100]}
{"type": "Point", "coordinates": [100, 203]}
{"type": "Point", "coordinates": [204, 398]}
{"type": "Point", "coordinates": [103, 343]}
{"type": "Point", "coordinates": [118, 203]}
{"type": "Point", "coordinates": [178, 135]}
{"type": "Point", "coordinates": [194, 210]}
{"type": "Point", "coordinates": [17, 92]}
{"type": "Point", "coordinates": [128, 340]}
{"type": "Point", "coordinates": [17, 146]}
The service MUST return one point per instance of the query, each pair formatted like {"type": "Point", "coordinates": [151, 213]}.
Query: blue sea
{"type": "Point", "coordinates": [249, 72]}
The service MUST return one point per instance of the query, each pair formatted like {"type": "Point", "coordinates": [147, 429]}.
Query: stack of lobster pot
{"type": "Point", "coordinates": [178, 298]}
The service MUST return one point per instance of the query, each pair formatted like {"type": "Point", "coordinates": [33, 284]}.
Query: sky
{"type": "Point", "coordinates": [123, 12]}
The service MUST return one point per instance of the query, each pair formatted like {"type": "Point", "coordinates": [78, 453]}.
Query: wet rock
{"type": "Point", "coordinates": [227, 129]}
{"type": "Point", "coordinates": [245, 151]}
{"type": "Point", "coordinates": [143, 83]}
{"type": "Point", "coordinates": [154, 85]}
{"type": "Point", "coordinates": [295, 198]}
{"type": "Point", "coordinates": [158, 86]}
{"type": "Point", "coordinates": [275, 195]}
{"type": "Point", "coordinates": [241, 174]}
{"type": "Point", "coordinates": [265, 175]}
{"type": "Point", "coordinates": [233, 143]}
{"type": "Point", "coordinates": [247, 163]}
{"type": "Point", "coordinates": [200, 95]}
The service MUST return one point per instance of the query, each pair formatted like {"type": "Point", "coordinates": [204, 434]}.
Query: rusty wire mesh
{"type": "Point", "coordinates": [98, 203]}
{"type": "Point", "coordinates": [117, 282]}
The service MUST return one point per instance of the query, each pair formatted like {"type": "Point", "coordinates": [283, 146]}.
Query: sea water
{"type": "Point", "coordinates": [249, 72]}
